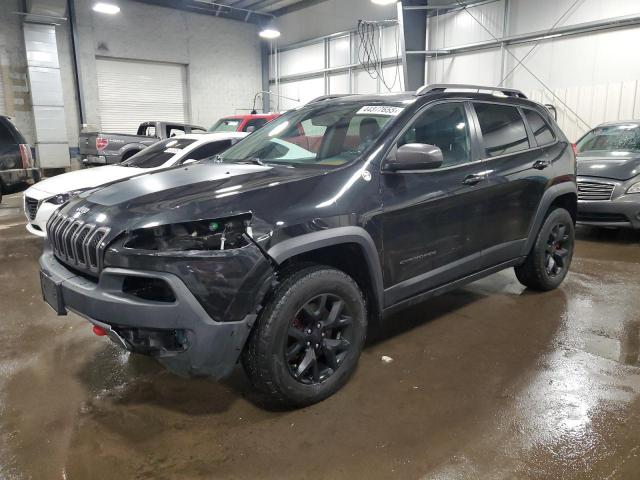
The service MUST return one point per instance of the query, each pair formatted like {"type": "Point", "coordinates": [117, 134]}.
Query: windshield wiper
{"type": "Point", "coordinates": [252, 161]}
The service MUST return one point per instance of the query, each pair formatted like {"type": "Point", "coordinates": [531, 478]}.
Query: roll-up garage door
{"type": "Point", "coordinates": [3, 107]}
{"type": "Point", "coordinates": [132, 92]}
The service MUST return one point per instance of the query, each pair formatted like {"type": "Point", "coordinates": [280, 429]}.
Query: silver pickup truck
{"type": "Point", "coordinates": [100, 148]}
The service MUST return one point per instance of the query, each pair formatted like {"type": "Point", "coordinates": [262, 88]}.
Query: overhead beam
{"type": "Point", "coordinates": [413, 29]}
{"type": "Point", "coordinates": [626, 21]}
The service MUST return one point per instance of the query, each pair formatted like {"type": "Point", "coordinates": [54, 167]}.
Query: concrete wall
{"type": "Point", "coordinates": [222, 58]}
{"type": "Point", "coordinates": [13, 69]}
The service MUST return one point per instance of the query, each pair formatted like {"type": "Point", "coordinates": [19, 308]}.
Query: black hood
{"type": "Point", "coordinates": [203, 191]}
{"type": "Point", "coordinates": [618, 168]}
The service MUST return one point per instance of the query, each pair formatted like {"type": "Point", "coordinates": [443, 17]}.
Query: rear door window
{"type": "Point", "coordinates": [541, 129]}
{"type": "Point", "coordinates": [174, 131]}
{"type": "Point", "coordinates": [208, 150]}
{"type": "Point", "coordinates": [147, 130]}
{"type": "Point", "coordinates": [6, 136]}
{"type": "Point", "coordinates": [158, 153]}
{"type": "Point", "coordinates": [226, 125]}
{"type": "Point", "coordinates": [502, 128]}
{"type": "Point", "coordinates": [256, 123]}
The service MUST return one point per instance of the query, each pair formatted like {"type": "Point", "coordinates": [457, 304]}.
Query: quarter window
{"type": "Point", "coordinates": [503, 129]}
{"type": "Point", "coordinates": [445, 126]}
{"type": "Point", "coordinates": [6, 138]}
{"type": "Point", "coordinates": [208, 150]}
{"type": "Point", "coordinates": [541, 130]}
{"type": "Point", "coordinates": [256, 124]}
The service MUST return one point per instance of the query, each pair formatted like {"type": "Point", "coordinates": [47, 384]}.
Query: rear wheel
{"type": "Point", "coordinates": [548, 263]}
{"type": "Point", "coordinates": [308, 338]}
{"type": "Point", "coordinates": [128, 155]}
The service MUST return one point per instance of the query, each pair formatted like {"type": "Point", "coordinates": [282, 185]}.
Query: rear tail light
{"type": "Point", "coordinates": [25, 156]}
{"type": "Point", "coordinates": [99, 331]}
{"type": "Point", "coordinates": [575, 148]}
{"type": "Point", "coordinates": [101, 143]}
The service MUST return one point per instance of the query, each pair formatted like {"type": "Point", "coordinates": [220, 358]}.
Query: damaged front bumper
{"type": "Point", "coordinates": [154, 312]}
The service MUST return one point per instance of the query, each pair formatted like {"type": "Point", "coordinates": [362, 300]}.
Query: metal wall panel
{"type": "Point", "coordinates": [302, 60]}
{"type": "Point", "coordinates": [303, 90]}
{"type": "Point", "coordinates": [459, 28]}
{"type": "Point", "coordinates": [131, 92]}
{"type": "Point", "coordinates": [3, 107]}
{"type": "Point", "coordinates": [592, 104]}
{"type": "Point", "coordinates": [45, 87]}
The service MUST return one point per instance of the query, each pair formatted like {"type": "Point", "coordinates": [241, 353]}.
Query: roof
{"type": "Point", "coordinates": [251, 115]}
{"type": "Point", "coordinates": [456, 92]}
{"type": "Point", "coordinates": [212, 137]}
{"type": "Point", "coordinates": [619, 122]}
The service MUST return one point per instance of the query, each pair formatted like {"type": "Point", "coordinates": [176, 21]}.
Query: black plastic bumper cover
{"type": "Point", "coordinates": [214, 347]}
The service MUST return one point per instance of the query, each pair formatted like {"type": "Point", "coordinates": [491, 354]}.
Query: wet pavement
{"type": "Point", "coordinates": [490, 381]}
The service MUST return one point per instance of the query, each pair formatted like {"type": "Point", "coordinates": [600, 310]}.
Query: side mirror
{"type": "Point", "coordinates": [188, 161]}
{"type": "Point", "coordinates": [415, 156]}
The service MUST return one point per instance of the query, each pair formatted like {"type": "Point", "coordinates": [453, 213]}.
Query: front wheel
{"type": "Point", "coordinates": [548, 263]}
{"type": "Point", "coordinates": [308, 338]}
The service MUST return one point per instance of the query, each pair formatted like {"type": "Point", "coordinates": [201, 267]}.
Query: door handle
{"type": "Point", "coordinates": [472, 179]}
{"type": "Point", "coordinates": [541, 164]}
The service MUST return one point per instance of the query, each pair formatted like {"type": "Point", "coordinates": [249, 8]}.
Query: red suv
{"type": "Point", "coordinates": [243, 123]}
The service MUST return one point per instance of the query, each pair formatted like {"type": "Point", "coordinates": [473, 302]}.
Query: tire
{"type": "Point", "coordinates": [128, 155]}
{"type": "Point", "coordinates": [549, 260]}
{"type": "Point", "coordinates": [291, 360]}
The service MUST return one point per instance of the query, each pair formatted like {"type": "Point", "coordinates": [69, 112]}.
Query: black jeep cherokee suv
{"type": "Point", "coordinates": [279, 251]}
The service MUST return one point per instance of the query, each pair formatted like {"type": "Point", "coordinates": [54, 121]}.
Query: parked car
{"type": "Point", "coordinates": [609, 175]}
{"type": "Point", "coordinates": [16, 161]}
{"type": "Point", "coordinates": [45, 197]}
{"type": "Point", "coordinates": [281, 250]}
{"type": "Point", "coordinates": [100, 148]}
{"type": "Point", "coordinates": [243, 123]}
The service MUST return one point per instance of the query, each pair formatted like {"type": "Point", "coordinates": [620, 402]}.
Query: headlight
{"type": "Point", "coordinates": [64, 197]}
{"type": "Point", "coordinates": [635, 188]}
{"type": "Point", "coordinates": [222, 234]}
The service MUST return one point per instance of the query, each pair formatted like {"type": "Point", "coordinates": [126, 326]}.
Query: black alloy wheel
{"type": "Point", "coordinates": [549, 260]}
{"type": "Point", "coordinates": [318, 339]}
{"type": "Point", "coordinates": [557, 251]}
{"type": "Point", "coordinates": [307, 339]}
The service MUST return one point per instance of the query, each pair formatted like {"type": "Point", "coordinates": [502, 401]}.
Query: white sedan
{"type": "Point", "coordinates": [45, 197]}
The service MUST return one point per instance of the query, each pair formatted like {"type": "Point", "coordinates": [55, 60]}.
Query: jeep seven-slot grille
{"type": "Point", "coordinates": [595, 191]}
{"type": "Point", "coordinates": [75, 243]}
{"type": "Point", "coordinates": [31, 207]}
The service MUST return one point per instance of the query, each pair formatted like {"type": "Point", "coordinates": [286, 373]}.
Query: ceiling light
{"type": "Point", "coordinates": [384, 2]}
{"type": "Point", "coordinates": [270, 30]}
{"type": "Point", "coordinates": [269, 33]}
{"type": "Point", "coordinates": [108, 8]}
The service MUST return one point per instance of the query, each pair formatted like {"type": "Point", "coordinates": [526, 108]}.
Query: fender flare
{"type": "Point", "coordinates": [330, 237]}
{"type": "Point", "coordinates": [551, 194]}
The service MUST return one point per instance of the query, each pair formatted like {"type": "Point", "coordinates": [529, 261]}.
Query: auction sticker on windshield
{"type": "Point", "coordinates": [379, 110]}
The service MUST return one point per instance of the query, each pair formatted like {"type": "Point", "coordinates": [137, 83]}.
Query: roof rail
{"type": "Point", "coordinates": [441, 87]}
{"type": "Point", "coordinates": [322, 98]}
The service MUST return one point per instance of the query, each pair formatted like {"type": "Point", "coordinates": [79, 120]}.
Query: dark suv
{"type": "Point", "coordinates": [16, 161]}
{"type": "Point", "coordinates": [279, 251]}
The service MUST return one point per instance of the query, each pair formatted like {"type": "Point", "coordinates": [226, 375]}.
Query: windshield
{"type": "Point", "coordinates": [319, 135]}
{"type": "Point", "coordinates": [225, 125]}
{"type": "Point", "coordinates": [158, 153]}
{"type": "Point", "coordinates": [612, 139]}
